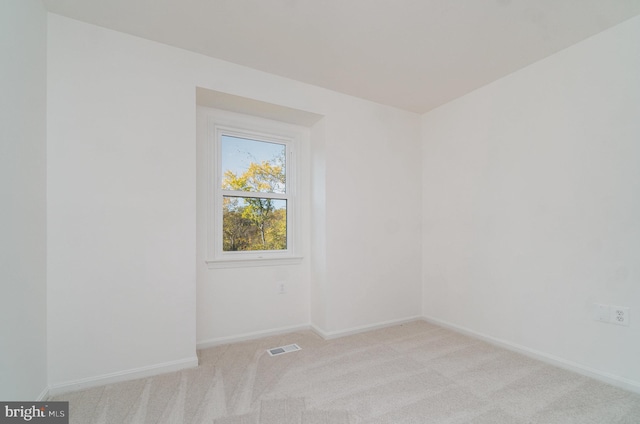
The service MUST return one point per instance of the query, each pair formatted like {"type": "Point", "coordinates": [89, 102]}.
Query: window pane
{"type": "Point", "coordinates": [251, 165]}
{"type": "Point", "coordinates": [252, 223]}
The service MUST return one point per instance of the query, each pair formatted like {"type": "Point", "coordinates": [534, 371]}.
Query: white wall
{"type": "Point", "coordinates": [122, 209]}
{"type": "Point", "coordinates": [23, 29]}
{"type": "Point", "coordinates": [531, 199]}
{"type": "Point", "coordinates": [372, 221]}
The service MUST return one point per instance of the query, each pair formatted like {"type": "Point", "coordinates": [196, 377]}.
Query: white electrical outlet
{"type": "Point", "coordinates": [619, 315]}
{"type": "Point", "coordinates": [282, 288]}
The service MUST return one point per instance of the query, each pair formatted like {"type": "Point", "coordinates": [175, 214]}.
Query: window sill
{"type": "Point", "coordinates": [242, 263]}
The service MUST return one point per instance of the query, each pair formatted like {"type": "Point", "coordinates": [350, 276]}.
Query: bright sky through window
{"type": "Point", "coordinates": [239, 153]}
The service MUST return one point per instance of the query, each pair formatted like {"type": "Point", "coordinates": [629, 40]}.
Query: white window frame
{"type": "Point", "coordinates": [221, 123]}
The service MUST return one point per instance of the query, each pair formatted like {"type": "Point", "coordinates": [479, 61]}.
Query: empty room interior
{"type": "Point", "coordinates": [437, 202]}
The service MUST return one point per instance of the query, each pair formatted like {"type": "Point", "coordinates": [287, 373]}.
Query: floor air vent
{"type": "Point", "coordinates": [283, 349]}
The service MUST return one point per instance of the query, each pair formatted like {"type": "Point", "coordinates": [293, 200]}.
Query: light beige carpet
{"type": "Point", "coordinates": [412, 373]}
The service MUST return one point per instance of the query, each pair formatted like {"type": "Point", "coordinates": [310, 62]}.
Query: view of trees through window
{"type": "Point", "coordinates": [254, 206]}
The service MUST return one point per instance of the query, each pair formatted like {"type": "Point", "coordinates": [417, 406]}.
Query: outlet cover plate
{"type": "Point", "coordinates": [619, 315]}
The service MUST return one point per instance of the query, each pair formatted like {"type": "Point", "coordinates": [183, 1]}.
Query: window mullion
{"type": "Point", "coordinates": [254, 194]}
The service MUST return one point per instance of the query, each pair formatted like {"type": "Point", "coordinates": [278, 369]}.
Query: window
{"type": "Point", "coordinates": [252, 184]}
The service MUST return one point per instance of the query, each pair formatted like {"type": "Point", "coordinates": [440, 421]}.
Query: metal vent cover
{"type": "Point", "coordinates": [283, 349]}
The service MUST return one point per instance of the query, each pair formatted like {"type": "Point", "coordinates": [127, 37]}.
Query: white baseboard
{"type": "Point", "coordinates": [605, 377]}
{"type": "Point", "coordinates": [43, 395]}
{"type": "Point", "coordinates": [329, 335]}
{"type": "Point", "coordinates": [116, 377]}
{"type": "Point", "coordinates": [284, 330]}
{"type": "Point", "coordinates": [204, 344]}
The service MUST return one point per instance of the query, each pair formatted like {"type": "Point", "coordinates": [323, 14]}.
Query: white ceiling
{"type": "Point", "coordinates": [413, 54]}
